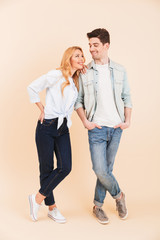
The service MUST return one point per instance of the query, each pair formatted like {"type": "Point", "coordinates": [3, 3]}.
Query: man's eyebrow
{"type": "Point", "coordinates": [93, 43]}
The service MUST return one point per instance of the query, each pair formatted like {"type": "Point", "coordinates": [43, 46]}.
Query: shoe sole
{"type": "Point", "coordinates": [58, 221]}
{"type": "Point", "coordinates": [124, 218]}
{"type": "Point", "coordinates": [102, 222]}
{"type": "Point", "coordinates": [31, 208]}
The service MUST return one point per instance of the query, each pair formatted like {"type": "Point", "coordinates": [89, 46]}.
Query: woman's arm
{"type": "Point", "coordinates": [38, 85]}
{"type": "Point", "coordinates": [41, 107]}
{"type": "Point", "coordinates": [41, 83]}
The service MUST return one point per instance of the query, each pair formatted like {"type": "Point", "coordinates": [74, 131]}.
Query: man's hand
{"type": "Point", "coordinates": [90, 125]}
{"type": "Point", "coordinates": [123, 125]}
{"type": "Point", "coordinates": [84, 69]}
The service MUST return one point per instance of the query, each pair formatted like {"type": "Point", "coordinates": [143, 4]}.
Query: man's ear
{"type": "Point", "coordinates": [107, 45]}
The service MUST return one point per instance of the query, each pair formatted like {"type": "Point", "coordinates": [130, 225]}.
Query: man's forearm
{"type": "Point", "coordinates": [87, 124]}
{"type": "Point", "coordinates": [127, 114]}
{"type": "Point", "coordinates": [81, 114]}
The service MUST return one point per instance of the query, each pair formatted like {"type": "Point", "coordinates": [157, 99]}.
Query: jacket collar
{"type": "Point", "coordinates": [93, 65]}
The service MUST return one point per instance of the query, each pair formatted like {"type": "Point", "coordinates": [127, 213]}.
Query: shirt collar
{"type": "Point", "coordinates": [93, 65]}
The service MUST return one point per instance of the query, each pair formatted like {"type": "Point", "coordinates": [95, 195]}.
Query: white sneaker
{"type": "Point", "coordinates": [56, 215]}
{"type": "Point", "coordinates": [34, 207]}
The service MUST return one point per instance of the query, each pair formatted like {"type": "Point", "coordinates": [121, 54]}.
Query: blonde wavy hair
{"type": "Point", "coordinates": [65, 67]}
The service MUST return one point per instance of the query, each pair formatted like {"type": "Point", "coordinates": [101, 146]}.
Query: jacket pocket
{"type": "Point", "coordinates": [89, 87]}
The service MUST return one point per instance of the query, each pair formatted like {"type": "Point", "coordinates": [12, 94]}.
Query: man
{"type": "Point", "coordinates": [104, 106]}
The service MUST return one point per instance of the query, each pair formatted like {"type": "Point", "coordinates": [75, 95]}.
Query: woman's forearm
{"type": "Point", "coordinates": [40, 106]}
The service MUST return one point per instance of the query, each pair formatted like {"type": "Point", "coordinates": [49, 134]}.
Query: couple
{"type": "Point", "coordinates": [100, 94]}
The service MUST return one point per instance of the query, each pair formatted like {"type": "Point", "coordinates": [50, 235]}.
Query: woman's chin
{"type": "Point", "coordinates": [80, 68]}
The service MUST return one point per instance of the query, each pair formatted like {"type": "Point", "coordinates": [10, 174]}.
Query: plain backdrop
{"type": "Point", "coordinates": [34, 36]}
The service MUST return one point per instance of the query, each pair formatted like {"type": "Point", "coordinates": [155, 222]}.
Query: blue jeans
{"type": "Point", "coordinates": [48, 141]}
{"type": "Point", "coordinates": [104, 144]}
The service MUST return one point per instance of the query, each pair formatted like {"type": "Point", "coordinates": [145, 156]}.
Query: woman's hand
{"type": "Point", "coordinates": [41, 107]}
{"type": "Point", "coordinates": [41, 117]}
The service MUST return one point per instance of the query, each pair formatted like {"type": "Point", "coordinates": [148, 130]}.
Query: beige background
{"type": "Point", "coordinates": [34, 35]}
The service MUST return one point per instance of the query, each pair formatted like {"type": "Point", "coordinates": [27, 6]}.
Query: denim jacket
{"type": "Point", "coordinates": [88, 88]}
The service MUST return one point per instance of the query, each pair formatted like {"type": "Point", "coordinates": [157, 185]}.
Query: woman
{"type": "Point", "coordinates": [52, 134]}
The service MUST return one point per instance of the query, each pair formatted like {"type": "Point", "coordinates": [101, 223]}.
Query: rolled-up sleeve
{"type": "Point", "coordinates": [126, 96]}
{"type": "Point", "coordinates": [40, 84]}
{"type": "Point", "coordinates": [80, 99]}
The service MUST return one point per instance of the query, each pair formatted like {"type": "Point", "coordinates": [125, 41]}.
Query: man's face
{"type": "Point", "coordinates": [97, 49]}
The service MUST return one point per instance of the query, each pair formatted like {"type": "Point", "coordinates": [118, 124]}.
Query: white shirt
{"type": "Point", "coordinates": [57, 105]}
{"type": "Point", "coordinates": [106, 113]}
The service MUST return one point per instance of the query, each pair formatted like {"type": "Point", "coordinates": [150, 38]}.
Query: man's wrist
{"type": "Point", "coordinates": [127, 122]}
{"type": "Point", "coordinates": [85, 122]}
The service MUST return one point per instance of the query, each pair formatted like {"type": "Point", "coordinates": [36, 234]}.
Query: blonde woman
{"type": "Point", "coordinates": [52, 134]}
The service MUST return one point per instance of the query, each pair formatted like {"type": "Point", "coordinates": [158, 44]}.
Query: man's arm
{"type": "Point", "coordinates": [87, 124]}
{"type": "Point", "coordinates": [127, 114]}
{"type": "Point", "coordinates": [126, 97]}
{"type": "Point", "coordinates": [80, 99]}
{"type": "Point", "coordinates": [80, 108]}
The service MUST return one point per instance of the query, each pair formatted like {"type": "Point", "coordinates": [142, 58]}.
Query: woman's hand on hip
{"type": "Point", "coordinates": [41, 117]}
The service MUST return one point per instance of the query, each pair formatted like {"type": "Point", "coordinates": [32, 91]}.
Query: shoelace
{"type": "Point", "coordinates": [55, 210]}
{"type": "Point", "coordinates": [120, 206]}
{"type": "Point", "coordinates": [101, 211]}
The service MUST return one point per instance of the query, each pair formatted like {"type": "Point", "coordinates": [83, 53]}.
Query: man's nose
{"type": "Point", "coordinates": [92, 48]}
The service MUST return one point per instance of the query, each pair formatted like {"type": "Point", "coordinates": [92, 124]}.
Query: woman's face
{"type": "Point", "coordinates": [77, 60]}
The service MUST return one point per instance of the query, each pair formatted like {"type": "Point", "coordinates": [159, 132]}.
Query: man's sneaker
{"type": "Point", "coordinates": [56, 215]}
{"type": "Point", "coordinates": [121, 207]}
{"type": "Point", "coordinates": [100, 215]}
{"type": "Point", "coordinates": [34, 207]}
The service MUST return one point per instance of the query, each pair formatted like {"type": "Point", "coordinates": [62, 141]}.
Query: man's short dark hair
{"type": "Point", "coordinates": [100, 33]}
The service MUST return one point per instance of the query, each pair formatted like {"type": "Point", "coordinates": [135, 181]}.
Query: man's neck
{"type": "Point", "coordinates": [101, 61]}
